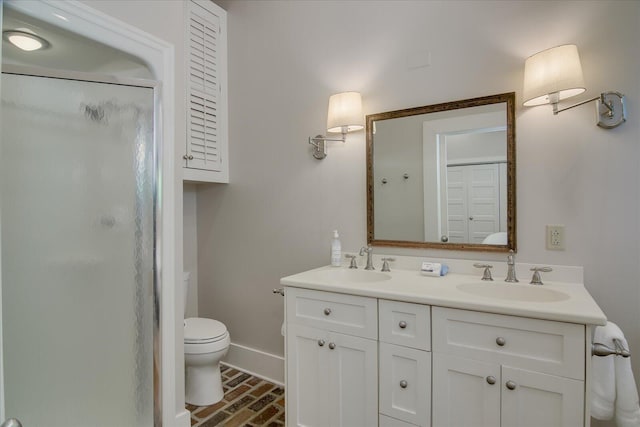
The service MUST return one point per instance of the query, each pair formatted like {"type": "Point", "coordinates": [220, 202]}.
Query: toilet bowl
{"type": "Point", "coordinates": [206, 342]}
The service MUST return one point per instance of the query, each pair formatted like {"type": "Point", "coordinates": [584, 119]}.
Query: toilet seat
{"type": "Point", "coordinates": [198, 330]}
{"type": "Point", "coordinates": [205, 336]}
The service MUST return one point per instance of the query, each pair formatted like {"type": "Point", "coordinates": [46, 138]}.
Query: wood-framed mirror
{"type": "Point", "coordinates": [443, 176]}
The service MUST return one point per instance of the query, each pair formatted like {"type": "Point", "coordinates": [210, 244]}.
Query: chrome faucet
{"type": "Point", "coordinates": [511, 268]}
{"type": "Point", "coordinates": [369, 251]}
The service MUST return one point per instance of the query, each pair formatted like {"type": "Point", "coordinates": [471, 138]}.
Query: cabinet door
{"type": "Point", "coordinates": [353, 381]}
{"type": "Point", "coordinates": [405, 379]}
{"type": "Point", "coordinates": [465, 392]}
{"type": "Point", "coordinates": [206, 157]}
{"type": "Point", "coordinates": [535, 399]}
{"type": "Point", "coordinates": [307, 383]}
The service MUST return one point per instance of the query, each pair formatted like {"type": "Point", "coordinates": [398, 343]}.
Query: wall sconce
{"type": "Point", "coordinates": [344, 115]}
{"type": "Point", "coordinates": [556, 74]}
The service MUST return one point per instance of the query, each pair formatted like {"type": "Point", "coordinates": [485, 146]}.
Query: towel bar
{"type": "Point", "coordinates": [279, 291]}
{"type": "Point", "coordinates": [598, 349]}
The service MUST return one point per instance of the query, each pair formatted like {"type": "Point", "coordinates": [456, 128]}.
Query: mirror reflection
{"type": "Point", "coordinates": [443, 175]}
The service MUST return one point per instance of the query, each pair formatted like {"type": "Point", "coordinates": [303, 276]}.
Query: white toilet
{"type": "Point", "coordinates": [206, 341]}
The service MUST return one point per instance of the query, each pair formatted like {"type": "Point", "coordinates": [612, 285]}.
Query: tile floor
{"type": "Point", "coordinates": [248, 402]}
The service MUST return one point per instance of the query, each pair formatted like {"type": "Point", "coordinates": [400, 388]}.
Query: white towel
{"type": "Point", "coordinates": [603, 385]}
{"type": "Point", "coordinates": [613, 388]}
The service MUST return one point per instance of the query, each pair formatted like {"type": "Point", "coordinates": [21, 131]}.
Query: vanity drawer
{"type": "Point", "coordinates": [405, 324]}
{"type": "Point", "coordinates": [540, 345]}
{"type": "Point", "coordinates": [405, 384]}
{"type": "Point", "coordinates": [348, 314]}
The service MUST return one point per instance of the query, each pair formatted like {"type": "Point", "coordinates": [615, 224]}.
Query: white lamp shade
{"type": "Point", "coordinates": [345, 112]}
{"type": "Point", "coordinates": [555, 70]}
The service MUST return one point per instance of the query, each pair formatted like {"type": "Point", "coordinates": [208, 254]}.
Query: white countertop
{"type": "Point", "coordinates": [412, 286]}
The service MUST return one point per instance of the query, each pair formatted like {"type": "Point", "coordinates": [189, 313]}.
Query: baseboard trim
{"type": "Point", "coordinates": [256, 362]}
{"type": "Point", "coordinates": [183, 419]}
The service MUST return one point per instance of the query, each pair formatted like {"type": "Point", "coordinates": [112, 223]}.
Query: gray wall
{"type": "Point", "coordinates": [276, 216]}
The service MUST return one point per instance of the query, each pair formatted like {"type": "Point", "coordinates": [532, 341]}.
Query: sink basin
{"type": "Point", "coordinates": [513, 292]}
{"type": "Point", "coordinates": [344, 275]}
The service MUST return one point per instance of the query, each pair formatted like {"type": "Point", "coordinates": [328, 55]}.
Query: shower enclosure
{"type": "Point", "coordinates": [79, 197]}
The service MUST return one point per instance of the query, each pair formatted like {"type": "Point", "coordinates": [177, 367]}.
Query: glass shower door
{"type": "Point", "coordinates": [77, 171]}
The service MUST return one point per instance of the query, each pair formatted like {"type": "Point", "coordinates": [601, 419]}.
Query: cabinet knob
{"type": "Point", "coordinates": [327, 311]}
{"type": "Point", "coordinates": [511, 385]}
{"type": "Point", "coordinates": [185, 157]}
{"type": "Point", "coordinates": [190, 157]}
{"type": "Point", "coordinates": [501, 341]}
{"type": "Point", "coordinates": [332, 345]}
{"type": "Point", "coordinates": [491, 379]}
{"type": "Point", "coordinates": [321, 343]}
{"type": "Point", "coordinates": [403, 384]}
{"type": "Point", "coordinates": [402, 324]}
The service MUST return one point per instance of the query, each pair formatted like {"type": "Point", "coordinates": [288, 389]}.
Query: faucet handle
{"type": "Point", "coordinates": [486, 275]}
{"type": "Point", "coordinates": [536, 280]}
{"type": "Point", "coordinates": [385, 263]}
{"type": "Point", "coordinates": [353, 260]}
{"type": "Point", "coordinates": [365, 250]}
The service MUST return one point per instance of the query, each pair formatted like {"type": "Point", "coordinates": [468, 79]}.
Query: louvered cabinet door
{"type": "Point", "coordinates": [206, 147]}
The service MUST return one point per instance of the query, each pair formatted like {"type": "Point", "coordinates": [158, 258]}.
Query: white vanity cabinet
{"type": "Point", "coordinates": [354, 360]}
{"type": "Point", "coordinates": [331, 359]}
{"type": "Point", "coordinates": [496, 370]}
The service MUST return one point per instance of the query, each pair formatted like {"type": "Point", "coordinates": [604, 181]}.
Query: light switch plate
{"type": "Point", "coordinates": [555, 237]}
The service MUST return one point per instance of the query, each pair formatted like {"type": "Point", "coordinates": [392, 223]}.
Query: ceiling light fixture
{"type": "Point", "coordinates": [24, 40]}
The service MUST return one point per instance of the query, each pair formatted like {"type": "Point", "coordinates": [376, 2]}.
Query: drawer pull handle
{"type": "Point", "coordinates": [491, 380]}
{"type": "Point", "coordinates": [511, 385]}
{"type": "Point", "coordinates": [332, 345]}
{"type": "Point", "coordinates": [403, 384]}
{"type": "Point", "coordinates": [321, 343]}
{"type": "Point", "coordinates": [327, 311]}
{"type": "Point", "coordinates": [402, 324]}
{"type": "Point", "coordinates": [501, 341]}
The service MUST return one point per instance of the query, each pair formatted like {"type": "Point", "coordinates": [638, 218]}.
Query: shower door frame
{"type": "Point", "coordinates": [20, 70]}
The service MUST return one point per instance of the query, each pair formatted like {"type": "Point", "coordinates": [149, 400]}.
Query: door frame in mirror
{"type": "Point", "coordinates": [509, 100]}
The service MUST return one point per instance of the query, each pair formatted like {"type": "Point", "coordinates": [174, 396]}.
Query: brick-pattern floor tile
{"type": "Point", "coordinates": [205, 411]}
{"type": "Point", "coordinates": [262, 402]}
{"type": "Point", "coordinates": [261, 389]}
{"type": "Point", "coordinates": [240, 418]}
{"type": "Point", "coordinates": [265, 415]}
{"type": "Point", "coordinates": [234, 393]}
{"type": "Point", "coordinates": [237, 380]}
{"type": "Point", "coordinates": [248, 402]}
{"type": "Point", "coordinates": [254, 381]}
{"type": "Point", "coordinates": [215, 420]}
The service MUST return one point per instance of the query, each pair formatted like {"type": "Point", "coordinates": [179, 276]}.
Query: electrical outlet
{"type": "Point", "coordinates": [555, 237]}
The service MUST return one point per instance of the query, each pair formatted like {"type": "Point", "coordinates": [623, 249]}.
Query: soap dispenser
{"type": "Point", "coordinates": [336, 250]}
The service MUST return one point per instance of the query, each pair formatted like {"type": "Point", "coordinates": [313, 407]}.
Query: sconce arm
{"type": "Point", "coordinates": [319, 143]}
{"type": "Point", "coordinates": [611, 109]}
{"type": "Point", "coordinates": [557, 110]}
{"type": "Point", "coordinates": [316, 139]}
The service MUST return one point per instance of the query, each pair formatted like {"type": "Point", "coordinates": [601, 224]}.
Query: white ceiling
{"type": "Point", "coordinates": [67, 50]}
